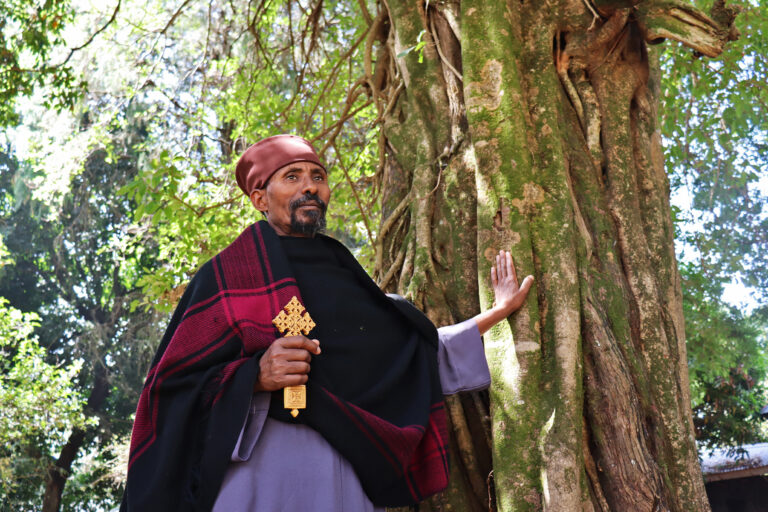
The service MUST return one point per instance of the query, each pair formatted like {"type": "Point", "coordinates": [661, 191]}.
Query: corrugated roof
{"type": "Point", "coordinates": [753, 456]}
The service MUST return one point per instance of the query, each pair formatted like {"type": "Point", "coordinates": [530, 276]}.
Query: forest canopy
{"type": "Point", "coordinates": [122, 122]}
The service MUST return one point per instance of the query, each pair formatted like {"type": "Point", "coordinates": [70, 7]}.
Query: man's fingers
{"type": "Point", "coordinates": [511, 267]}
{"type": "Point", "coordinates": [283, 381]}
{"type": "Point", "coordinates": [293, 380]}
{"type": "Point", "coordinates": [296, 354]}
{"type": "Point", "coordinates": [288, 367]}
{"type": "Point", "coordinates": [527, 283]}
{"type": "Point", "coordinates": [494, 279]}
{"type": "Point", "coordinates": [300, 342]}
{"type": "Point", "coordinates": [295, 368]}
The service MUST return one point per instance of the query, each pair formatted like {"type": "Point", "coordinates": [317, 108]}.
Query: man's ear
{"type": "Point", "coordinates": [259, 199]}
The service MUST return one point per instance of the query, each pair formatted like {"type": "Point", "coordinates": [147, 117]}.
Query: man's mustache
{"type": "Point", "coordinates": [307, 198]}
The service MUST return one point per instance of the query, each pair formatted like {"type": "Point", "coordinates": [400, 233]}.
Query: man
{"type": "Point", "coordinates": [211, 431]}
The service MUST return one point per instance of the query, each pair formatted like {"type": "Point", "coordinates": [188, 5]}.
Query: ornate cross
{"type": "Point", "coordinates": [291, 322]}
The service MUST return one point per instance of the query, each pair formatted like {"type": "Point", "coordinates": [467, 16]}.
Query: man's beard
{"type": "Point", "coordinates": [315, 220]}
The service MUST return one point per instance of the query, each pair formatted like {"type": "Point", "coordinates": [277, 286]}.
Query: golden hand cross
{"type": "Point", "coordinates": [291, 322]}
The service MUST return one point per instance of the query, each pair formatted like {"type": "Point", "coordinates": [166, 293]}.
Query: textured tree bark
{"type": "Point", "coordinates": [532, 127]}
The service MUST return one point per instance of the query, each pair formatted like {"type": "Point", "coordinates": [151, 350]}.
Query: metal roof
{"type": "Point", "coordinates": [722, 465]}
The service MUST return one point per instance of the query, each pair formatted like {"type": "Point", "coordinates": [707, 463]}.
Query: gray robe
{"type": "Point", "coordinates": [278, 466]}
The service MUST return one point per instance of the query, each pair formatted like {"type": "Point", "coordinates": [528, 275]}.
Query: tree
{"type": "Point", "coordinates": [32, 54]}
{"type": "Point", "coordinates": [29, 33]}
{"type": "Point", "coordinates": [73, 265]}
{"type": "Point", "coordinates": [715, 141]}
{"type": "Point", "coordinates": [715, 133]}
{"type": "Point", "coordinates": [536, 129]}
{"type": "Point", "coordinates": [38, 406]}
{"type": "Point", "coordinates": [728, 363]}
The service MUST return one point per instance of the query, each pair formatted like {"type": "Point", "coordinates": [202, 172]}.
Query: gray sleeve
{"type": "Point", "coordinates": [461, 358]}
{"type": "Point", "coordinates": [254, 422]}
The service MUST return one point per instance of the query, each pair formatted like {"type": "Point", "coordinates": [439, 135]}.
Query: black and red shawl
{"type": "Point", "coordinates": [198, 390]}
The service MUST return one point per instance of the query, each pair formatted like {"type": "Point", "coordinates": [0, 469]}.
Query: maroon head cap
{"type": "Point", "coordinates": [259, 162]}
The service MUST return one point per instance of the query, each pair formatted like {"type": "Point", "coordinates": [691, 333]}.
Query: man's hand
{"type": "Point", "coordinates": [286, 363]}
{"type": "Point", "coordinates": [509, 296]}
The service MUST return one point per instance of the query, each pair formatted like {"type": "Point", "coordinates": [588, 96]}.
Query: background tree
{"type": "Point", "coordinates": [76, 268]}
{"type": "Point", "coordinates": [715, 133]}
{"type": "Point", "coordinates": [34, 53]}
{"type": "Point", "coordinates": [39, 406]}
{"type": "Point", "coordinates": [727, 360]}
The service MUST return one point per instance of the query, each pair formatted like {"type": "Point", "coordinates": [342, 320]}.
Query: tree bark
{"type": "Point", "coordinates": [533, 128]}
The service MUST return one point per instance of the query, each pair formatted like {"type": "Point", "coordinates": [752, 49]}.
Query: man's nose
{"type": "Point", "coordinates": [309, 185]}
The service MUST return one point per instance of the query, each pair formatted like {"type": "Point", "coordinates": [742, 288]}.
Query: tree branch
{"type": "Point", "coordinates": [371, 240]}
{"type": "Point", "coordinates": [364, 10]}
{"type": "Point", "coordinates": [93, 36]}
{"type": "Point", "coordinates": [684, 23]}
{"type": "Point", "coordinates": [393, 269]}
{"type": "Point", "coordinates": [173, 17]}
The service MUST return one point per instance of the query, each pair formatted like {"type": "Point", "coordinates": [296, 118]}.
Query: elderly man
{"type": "Point", "coordinates": [211, 431]}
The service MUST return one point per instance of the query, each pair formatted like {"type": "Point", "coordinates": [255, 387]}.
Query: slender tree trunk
{"type": "Point", "coordinates": [59, 471]}
{"type": "Point", "coordinates": [533, 127]}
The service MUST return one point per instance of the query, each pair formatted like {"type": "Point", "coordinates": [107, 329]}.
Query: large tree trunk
{"type": "Point", "coordinates": [533, 127]}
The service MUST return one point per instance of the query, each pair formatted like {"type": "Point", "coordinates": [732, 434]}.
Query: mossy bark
{"type": "Point", "coordinates": [533, 128]}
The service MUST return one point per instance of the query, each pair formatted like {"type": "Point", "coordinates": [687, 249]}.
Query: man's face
{"type": "Point", "coordinates": [295, 199]}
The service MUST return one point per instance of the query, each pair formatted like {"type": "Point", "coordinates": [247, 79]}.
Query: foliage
{"type": "Point", "coordinates": [716, 142]}
{"type": "Point", "coordinates": [715, 137]}
{"type": "Point", "coordinates": [39, 406]}
{"type": "Point", "coordinates": [729, 411]}
{"type": "Point", "coordinates": [97, 483]}
{"type": "Point", "coordinates": [30, 33]}
{"type": "Point", "coordinates": [74, 263]}
{"type": "Point", "coordinates": [727, 359]}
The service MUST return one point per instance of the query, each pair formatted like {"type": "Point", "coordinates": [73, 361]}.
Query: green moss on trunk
{"type": "Point", "coordinates": [534, 129]}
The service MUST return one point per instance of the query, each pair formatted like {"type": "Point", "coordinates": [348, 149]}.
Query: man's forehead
{"type": "Point", "coordinates": [302, 166]}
